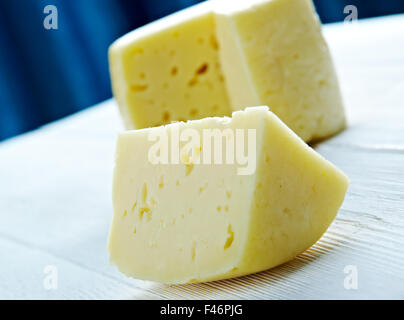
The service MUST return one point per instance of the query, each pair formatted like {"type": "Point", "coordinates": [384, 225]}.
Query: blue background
{"type": "Point", "coordinates": [48, 74]}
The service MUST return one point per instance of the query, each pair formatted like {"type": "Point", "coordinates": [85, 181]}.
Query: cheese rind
{"type": "Point", "coordinates": [180, 223]}
{"type": "Point", "coordinates": [169, 70]}
{"type": "Point", "coordinates": [273, 53]}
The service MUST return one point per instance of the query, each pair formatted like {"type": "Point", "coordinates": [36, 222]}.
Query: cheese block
{"type": "Point", "coordinates": [273, 53]}
{"type": "Point", "coordinates": [214, 58]}
{"type": "Point", "coordinates": [218, 198]}
{"type": "Point", "coordinates": [169, 70]}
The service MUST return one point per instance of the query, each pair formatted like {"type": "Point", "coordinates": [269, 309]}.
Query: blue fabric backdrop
{"type": "Point", "coordinates": [48, 74]}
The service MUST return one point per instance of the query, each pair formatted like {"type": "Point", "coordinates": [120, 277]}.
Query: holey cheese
{"type": "Point", "coordinates": [221, 56]}
{"type": "Point", "coordinates": [273, 53]}
{"type": "Point", "coordinates": [199, 220]}
{"type": "Point", "coordinates": [169, 70]}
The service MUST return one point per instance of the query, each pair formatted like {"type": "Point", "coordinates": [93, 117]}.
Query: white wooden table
{"type": "Point", "coordinates": [55, 196]}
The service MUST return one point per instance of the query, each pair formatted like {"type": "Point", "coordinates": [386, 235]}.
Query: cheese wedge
{"type": "Point", "coordinates": [262, 198]}
{"type": "Point", "coordinates": [169, 70]}
{"type": "Point", "coordinates": [273, 53]}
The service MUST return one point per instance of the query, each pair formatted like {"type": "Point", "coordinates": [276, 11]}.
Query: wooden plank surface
{"type": "Point", "coordinates": [55, 196]}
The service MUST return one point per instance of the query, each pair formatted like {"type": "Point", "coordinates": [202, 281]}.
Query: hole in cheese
{"type": "Point", "coordinates": [230, 237]}
{"type": "Point", "coordinates": [213, 42]}
{"type": "Point", "coordinates": [138, 87]}
{"type": "Point", "coordinates": [166, 116]}
{"type": "Point", "coordinates": [174, 71]}
{"type": "Point", "coordinates": [134, 206]}
{"type": "Point", "coordinates": [193, 112]}
{"type": "Point", "coordinates": [144, 192]}
{"type": "Point", "coordinates": [161, 184]}
{"type": "Point", "coordinates": [144, 210]}
{"type": "Point", "coordinates": [188, 168]}
{"type": "Point", "coordinates": [202, 69]}
{"type": "Point", "coordinates": [193, 251]}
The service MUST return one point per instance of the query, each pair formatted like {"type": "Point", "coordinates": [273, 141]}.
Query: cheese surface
{"type": "Point", "coordinates": [181, 222]}
{"type": "Point", "coordinates": [273, 53]}
{"type": "Point", "coordinates": [169, 70]}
